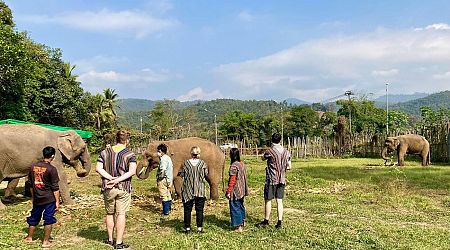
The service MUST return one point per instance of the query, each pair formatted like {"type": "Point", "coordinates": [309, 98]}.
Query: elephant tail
{"type": "Point", "coordinates": [223, 181]}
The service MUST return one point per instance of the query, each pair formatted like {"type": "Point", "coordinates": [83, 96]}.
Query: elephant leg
{"type": "Point", "coordinates": [214, 190]}
{"type": "Point", "coordinates": [401, 157]}
{"type": "Point", "coordinates": [424, 156]}
{"type": "Point", "coordinates": [177, 182]}
{"type": "Point", "coordinates": [2, 206]}
{"type": "Point", "coordinates": [64, 191]}
{"type": "Point", "coordinates": [9, 191]}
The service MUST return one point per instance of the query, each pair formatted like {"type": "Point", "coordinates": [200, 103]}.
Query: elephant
{"type": "Point", "coordinates": [10, 188]}
{"type": "Point", "coordinates": [407, 144]}
{"type": "Point", "coordinates": [179, 150]}
{"type": "Point", "coordinates": [22, 144]}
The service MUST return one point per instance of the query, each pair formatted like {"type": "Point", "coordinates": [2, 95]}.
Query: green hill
{"type": "Point", "coordinates": [434, 101]}
{"type": "Point", "coordinates": [130, 111]}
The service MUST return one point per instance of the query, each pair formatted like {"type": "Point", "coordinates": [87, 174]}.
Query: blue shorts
{"type": "Point", "coordinates": [48, 211]}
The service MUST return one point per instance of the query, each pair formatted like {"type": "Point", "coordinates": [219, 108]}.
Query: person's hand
{"type": "Point", "coordinates": [111, 183]}
{"type": "Point", "coordinates": [228, 195]}
{"type": "Point", "coordinates": [57, 207]}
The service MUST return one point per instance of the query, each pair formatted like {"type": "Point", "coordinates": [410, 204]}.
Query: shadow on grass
{"type": "Point", "coordinates": [150, 208]}
{"type": "Point", "coordinates": [176, 224]}
{"type": "Point", "coordinates": [12, 200]}
{"type": "Point", "coordinates": [93, 233]}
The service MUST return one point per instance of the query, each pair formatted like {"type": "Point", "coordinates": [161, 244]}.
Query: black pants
{"type": "Point", "coordinates": [199, 206]}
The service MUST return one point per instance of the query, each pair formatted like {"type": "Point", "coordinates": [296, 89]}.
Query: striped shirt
{"type": "Point", "coordinates": [194, 173]}
{"type": "Point", "coordinates": [117, 164]}
{"type": "Point", "coordinates": [277, 162]}
{"type": "Point", "coordinates": [240, 188]}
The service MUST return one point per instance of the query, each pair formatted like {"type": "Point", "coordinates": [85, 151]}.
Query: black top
{"type": "Point", "coordinates": [44, 181]}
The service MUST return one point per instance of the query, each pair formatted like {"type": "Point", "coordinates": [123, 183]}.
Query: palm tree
{"type": "Point", "coordinates": [110, 100]}
{"type": "Point", "coordinates": [68, 70]}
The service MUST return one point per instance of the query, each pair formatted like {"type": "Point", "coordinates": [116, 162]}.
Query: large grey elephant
{"type": "Point", "coordinates": [179, 151]}
{"type": "Point", "coordinates": [407, 144]}
{"type": "Point", "coordinates": [22, 144]}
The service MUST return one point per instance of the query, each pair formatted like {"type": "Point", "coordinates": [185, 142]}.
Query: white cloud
{"type": "Point", "coordinates": [444, 76]}
{"type": "Point", "coordinates": [407, 58]}
{"type": "Point", "coordinates": [199, 94]}
{"type": "Point", "coordinates": [245, 16]}
{"type": "Point", "coordinates": [436, 26]}
{"type": "Point", "coordinates": [137, 22]}
{"type": "Point", "coordinates": [385, 73]}
{"type": "Point", "coordinates": [96, 81]}
{"type": "Point", "coordinates": [99, 62]}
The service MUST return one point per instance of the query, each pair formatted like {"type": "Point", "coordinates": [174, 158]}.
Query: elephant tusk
{"type": "Point", "coordinates": [142, 171]}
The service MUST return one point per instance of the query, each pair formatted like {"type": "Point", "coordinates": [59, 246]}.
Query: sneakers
{"type": "Point", "coordinates": [278, 225]}
{"type": "Point", "coordinates": [200, 230]}
{"type": "Point", "coordinates": [109, 242]}
{"type": "Point", "coordinates": [263, 223]}
{"type": "Point", "coordinates": [187, 230]}
{"type": "Point", "coordinates": [122, 246]}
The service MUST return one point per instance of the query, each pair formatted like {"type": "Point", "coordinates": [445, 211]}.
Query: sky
{"type": "Point", "coordinates": [248, 50]}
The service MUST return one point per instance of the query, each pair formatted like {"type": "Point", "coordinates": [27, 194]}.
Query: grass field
{"type": "Point", "coordinates": [353, 203]}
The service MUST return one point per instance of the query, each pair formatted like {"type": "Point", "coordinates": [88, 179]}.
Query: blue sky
{"type": "Point", "coordinates": [188, 50]}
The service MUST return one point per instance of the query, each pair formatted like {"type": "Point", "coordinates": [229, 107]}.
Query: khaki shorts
{"type": "Point", "coordinates": [164, 190]}
{"type": "Point", "coordinates": [116, 201]}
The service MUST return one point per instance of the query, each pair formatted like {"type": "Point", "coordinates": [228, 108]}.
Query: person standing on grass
{"type": "Point", "coordinates": [116, 165]}
{"type": "Point", "coordinates": [278, 161]}
{"type": "Point", "coordinates": [237, 190]}
{"type": "Point", "coordinates": [194, 173]}
{"type": "Point", "coordinates": [164, 178]}
{"type": "Point", "coordinates": [45, 195]}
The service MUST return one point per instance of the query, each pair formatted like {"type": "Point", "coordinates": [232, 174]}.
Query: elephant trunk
{"type": "Point", "coordinates": [85, 167]}
{"type": "Point", "coordinates": [383, 154]}
{"type": "Point", "coordinates": [143, 169]}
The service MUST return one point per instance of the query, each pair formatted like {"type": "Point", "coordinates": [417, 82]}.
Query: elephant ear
{"type": "Point", "coordinates": [65, 146]}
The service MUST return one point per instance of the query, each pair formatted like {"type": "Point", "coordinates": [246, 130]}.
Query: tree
{"type": "Point", "coordinates": [305, 121]}
{"type": "Point", "coordinates": [431, 118]}
{"type": "Point", "coordinates": [15, 64]}
{"type": "Point", "coordinates": [166, 119]}
{"type": "Point", "coordinates": [398, 121]}
{"type": "Point", "coordinates": [366, 117]}
{"type": "Point", "coordinates": [239, 125]}
{"type": "Point", "coordinates": [6, 17]}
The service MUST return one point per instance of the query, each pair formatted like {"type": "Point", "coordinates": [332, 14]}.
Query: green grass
{"type": "Point", "coordinates": [353, 203]}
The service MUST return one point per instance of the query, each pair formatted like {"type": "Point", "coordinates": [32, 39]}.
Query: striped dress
{"type": "Point", "coordinates": [240, 188]}
{"type": "Point", "coordinates": [194, 177]}
{"type": "Point", "coordinates": [277, 162]}
{"type": "Point", "coordinates": [116, 164]}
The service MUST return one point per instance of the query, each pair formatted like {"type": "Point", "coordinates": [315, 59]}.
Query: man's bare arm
{"type": "Point", "coordinates": [99, 168]}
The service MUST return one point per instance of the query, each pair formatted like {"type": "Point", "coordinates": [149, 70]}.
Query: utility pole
{"type": "Point", "coordinates": [349, 93]}
{"type": "Point", "coordinates": [387, 110]}
{"type": "Point", "coordinates": [141, 124]}
{"type": "Point", "coordinates": [282, 132]}
{"type": "Point", "coordinates": [215, 123]}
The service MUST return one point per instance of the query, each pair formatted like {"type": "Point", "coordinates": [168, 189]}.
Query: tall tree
{"type": "Point", "coordinates": [6, 17]}
{"type": "Point", "coordinates": [239, 125]}
{"type": "Point", "coordinates": [305, 121]}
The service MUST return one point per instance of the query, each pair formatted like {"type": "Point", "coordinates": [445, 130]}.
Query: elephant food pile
{"type": "Point", "coordinates": [83, 201]}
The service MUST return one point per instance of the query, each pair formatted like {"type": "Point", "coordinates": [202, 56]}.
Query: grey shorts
{"type": "Point", "coordinates": [274, 191]}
